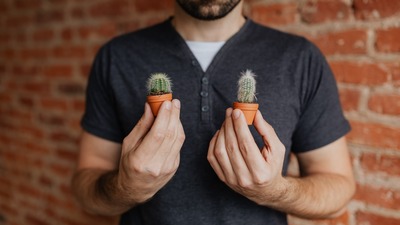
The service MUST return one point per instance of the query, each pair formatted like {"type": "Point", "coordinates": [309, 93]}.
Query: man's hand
{"type": "Point", "coordinates": [110, 178]}
{"type": "Point", "coordinates": [239, 163]}
{"type": "Point", "coordinates": [256, 174]}
{"type": "Point", "coordinates": [150, 153]}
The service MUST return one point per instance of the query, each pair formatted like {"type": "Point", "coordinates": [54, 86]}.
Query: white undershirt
{"type": "Point", "coordinates": [204, 51]}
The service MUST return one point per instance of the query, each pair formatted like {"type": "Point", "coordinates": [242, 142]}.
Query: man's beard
{"type": "Point", "coordinates": [208, 9]}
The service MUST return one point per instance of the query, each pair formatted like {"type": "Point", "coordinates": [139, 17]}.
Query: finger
{"type": "Point", "coordinates": [248, 147]}
{"type": "Point", "coordinates": [139, 131]}
{"type": "Point", "coordinates": [171, 144]}
{"type": "Point", "coordinates": [174, 124]}
{"type": "Point", "coordinates": [266, 131]}
{"type": "Point", "coordinates": [235, 156]}
{"type": "Point", "coordinates": [175, 148]}
{"type": "Point", "coordinates": [154, 138]}
{"type": "Point", "coordinates": [222, 157]}
{"type": "Point", "coordinates": [162, 120]}
{"type": "Point", "coordinates": [212, 160]}
{"type": "Point", "coordinates": [274, 147]}
{"type": "Point", "coordinates": [171, 166]}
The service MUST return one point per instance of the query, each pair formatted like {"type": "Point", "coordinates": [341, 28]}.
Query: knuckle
{"type": "Point", "coordinates": [171, 169]}
{"type": "Point", "coordinates": [219, 153]}
{"type": "Point", "coordinates": [245, 144]}
{"type": "Point", "coordinates": [230, 146]}
{"type": "Point", "coordinates": [244, 183]}
{"type": "Point", "coordinates": [231, 181]}
{"type": "Point", "coordinates": [145, 170]}
{"type": "Point", "coordinates": [176, 163]}
{"type": "Point", "coordinates": [280, 147]}
{"type": "Point", "coordinates": [153, 172]}
{"type": "Point", "coordinates": [260, 179]}
{"type": "Point", "coordinates": [158, 136]}
{"type": "Point", "coordinates": [137, 168]}
{"type": "Point", "coordinates": [170, 133]}
{"type": "Point", "coordinates": [181, 137]}
{"type": "Point", "coordinates": [211, 158]}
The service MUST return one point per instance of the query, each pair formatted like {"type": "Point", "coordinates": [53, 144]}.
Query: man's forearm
{"type": "Point", "coordinates": [315, 196]}
{"type": "Point", "coordinates": [98, 192]}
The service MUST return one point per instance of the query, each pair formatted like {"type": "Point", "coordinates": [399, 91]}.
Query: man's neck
{"type": "Point", "coordinates": [192, 29]}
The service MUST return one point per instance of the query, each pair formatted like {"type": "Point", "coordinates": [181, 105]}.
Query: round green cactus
{"type": "Point", "coordinates": [247, 87]}
{"type": "Point", "coordinates": [159, 84]}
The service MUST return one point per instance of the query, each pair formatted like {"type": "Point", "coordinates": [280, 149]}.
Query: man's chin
{"type": "Point", "coordinates": [207, 12]}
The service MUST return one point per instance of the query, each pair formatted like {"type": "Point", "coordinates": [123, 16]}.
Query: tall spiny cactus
{"type": "Point", "coordinates": [158, 84]}
{"type": "Point", "coordinates": [247, 87]}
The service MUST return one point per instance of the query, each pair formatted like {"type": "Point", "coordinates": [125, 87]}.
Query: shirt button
{"type": "Point", "coordinates": [194, 63]}
{"type": "Point", "coordinates": [204, 80]}
{"type": "Point", "coordinates": [205, 108]}
{"type": "Point", "coordinates": [204, 94]}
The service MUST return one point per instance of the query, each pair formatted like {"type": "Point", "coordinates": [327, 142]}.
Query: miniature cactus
{"type": "Point", "coordinates": [159, 84]}
{"type": "Point", "coordinates": [247, 87]}
{"type": "Point", "coordinates": [158, 91]}
{"type": "Point", "coordinates": [246, 96]}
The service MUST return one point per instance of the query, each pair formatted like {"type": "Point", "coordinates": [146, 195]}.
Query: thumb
{"type": "Point", "coordinates": [140, 130]}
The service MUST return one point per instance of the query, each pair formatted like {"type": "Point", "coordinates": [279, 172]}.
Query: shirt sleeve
{"type": "Point", "coordinates": [100, 117]}
{"type": "Point", "coordinates": [321, 121]}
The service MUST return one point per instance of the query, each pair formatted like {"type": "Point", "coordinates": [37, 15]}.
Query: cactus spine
{"type": "Point", "coordinates": [159, 84]}
{"type": "Point", "coordinates": [247, 87]}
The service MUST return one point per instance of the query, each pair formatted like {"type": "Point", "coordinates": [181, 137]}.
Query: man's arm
{"type": "Point", "coordinates": [326, 184]}
{"type": "Point", "coordinates": [96, 175]}
{"type": "Point", "coordinates": [111, 179]}
{"type": "Point", "coordinates": [326, 177]}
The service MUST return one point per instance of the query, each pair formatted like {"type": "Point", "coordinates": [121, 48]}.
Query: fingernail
{"type": "Point", "coordinates": [177, 103]}
{"type": "Point", "coordinates": [167, 105]}
{"type": "Point", "coordinates": [228, 112]}
{"type": "Point", "coordinates": [236, 114]}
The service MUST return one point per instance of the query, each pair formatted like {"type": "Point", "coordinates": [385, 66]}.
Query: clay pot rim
{"type": "Point", "coordinates": [156, 98]}
{"type": "Point", "coordinates": [245, 106]}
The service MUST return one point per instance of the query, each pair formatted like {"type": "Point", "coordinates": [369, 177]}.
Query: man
{"type": "Point", "coordinates": [197, 161]}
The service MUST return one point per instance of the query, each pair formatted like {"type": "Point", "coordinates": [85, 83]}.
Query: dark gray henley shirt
{"type": "Point", "coordinates": [296, 91]}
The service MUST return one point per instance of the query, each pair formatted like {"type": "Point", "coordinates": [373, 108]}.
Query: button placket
{"type": "Point", "coordinates": [204, 94]}
{"type": "Point", "coordinates": [205, 103]}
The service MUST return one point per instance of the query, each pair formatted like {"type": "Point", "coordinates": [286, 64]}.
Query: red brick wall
{"type": "Point", "coordinates": [46, 48]}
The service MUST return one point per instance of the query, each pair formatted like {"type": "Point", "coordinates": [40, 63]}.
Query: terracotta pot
{"type": "Point", "coordinates": [249, 110]}
{"type": "Point", "coordinates": [155, 101]}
